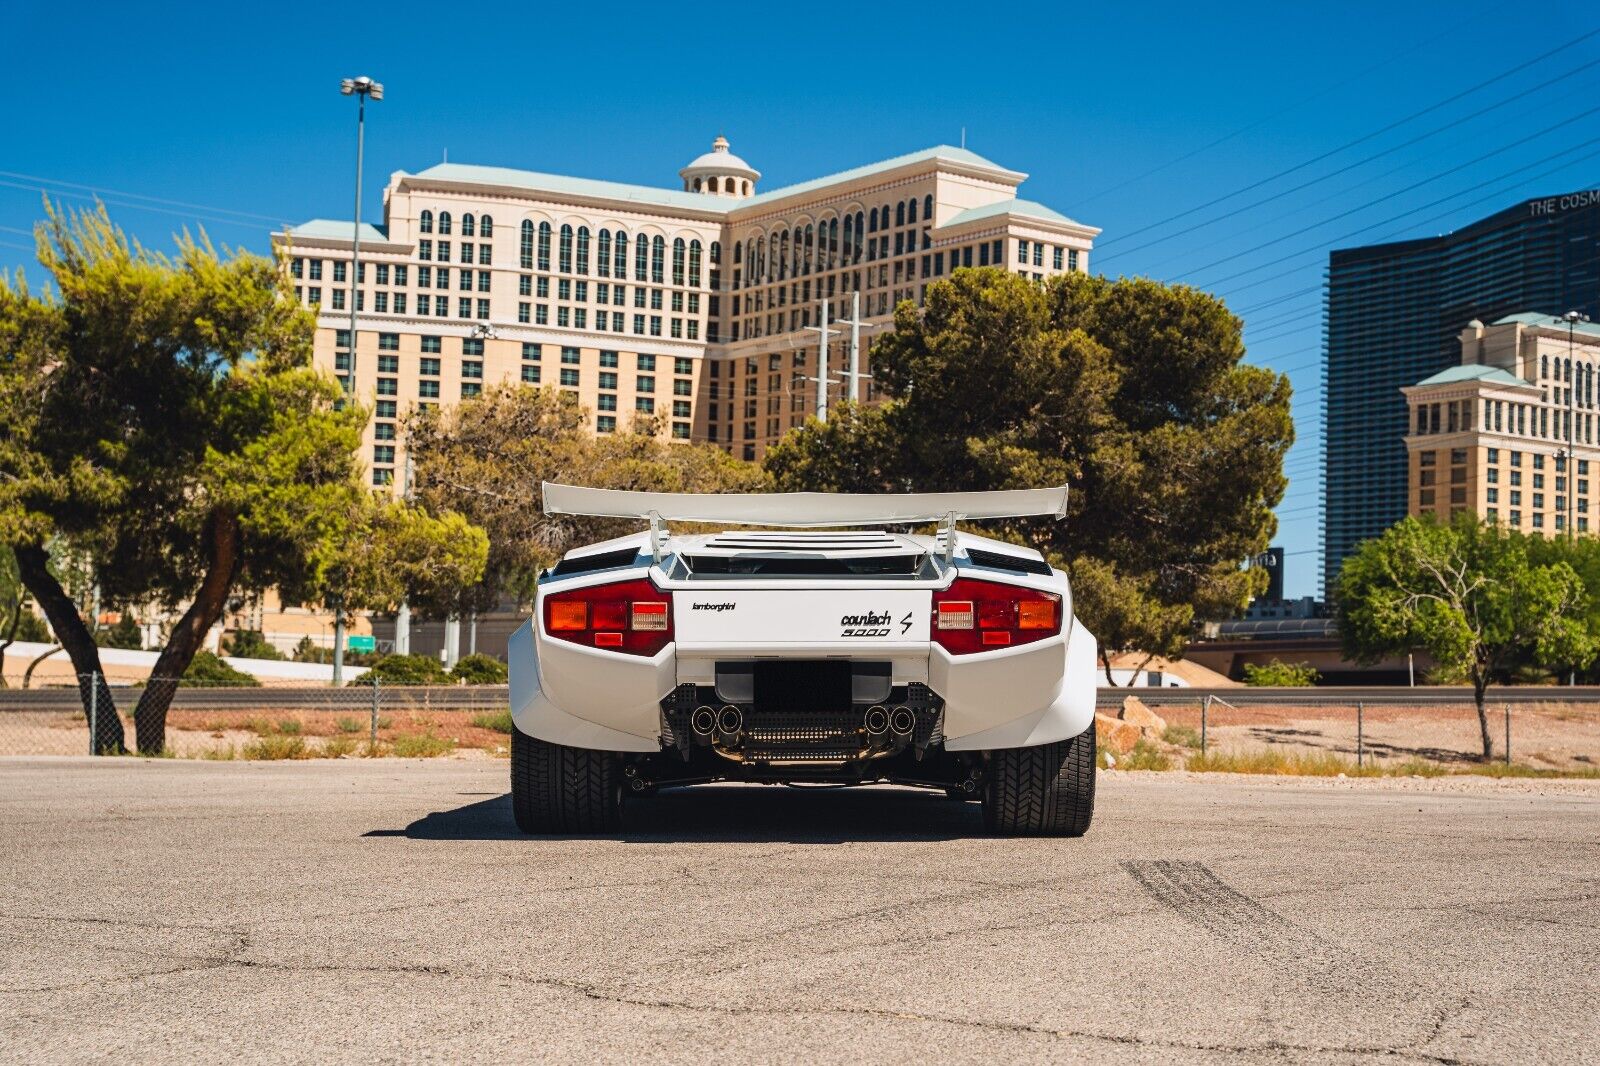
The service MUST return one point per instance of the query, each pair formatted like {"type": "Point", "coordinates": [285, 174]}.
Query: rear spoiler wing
{"type": "Point", "coordinates": [805, 509]}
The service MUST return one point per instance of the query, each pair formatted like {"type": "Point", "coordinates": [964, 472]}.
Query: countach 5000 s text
{"type": "Point", "coordinates": [855, 655]}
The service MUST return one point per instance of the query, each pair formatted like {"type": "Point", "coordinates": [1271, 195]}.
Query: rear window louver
{"type": "Point", "coordinates": [585, 564]}
{"type": "Point", "coordinates": [997, 561]}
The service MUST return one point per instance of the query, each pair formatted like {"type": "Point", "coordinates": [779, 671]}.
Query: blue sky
{"type": "Point", "coordinates": [1124, 115]}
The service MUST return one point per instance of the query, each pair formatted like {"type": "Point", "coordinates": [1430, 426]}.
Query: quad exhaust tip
{"type": "Point", "coordinates": [902, 721]}
{"type": "Point", "coordinates": [876, 721]}
{"type": "Point", "coordinates": [703, 721]}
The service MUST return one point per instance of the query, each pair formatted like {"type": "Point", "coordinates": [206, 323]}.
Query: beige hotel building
{"type": "Point", "coordinates": [690, 305]}
{"type": "Point", "coordinates": [1491, 436]}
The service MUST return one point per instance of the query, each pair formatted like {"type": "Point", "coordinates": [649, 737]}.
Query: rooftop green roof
{"type": "Point", "coordinates": [1533, 318]}
{"type": "Point", "coordinates": [1474, 372]}
{"type": "Point", "coordinates": [334, 229]}
{"type": "Point", "coordinates": [694, 201]}
{"type": "Point", "coordinates": [1024, 208]}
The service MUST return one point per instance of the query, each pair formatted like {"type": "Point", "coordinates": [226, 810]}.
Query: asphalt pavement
{"type": "Point", "coordinates": [386, 910]}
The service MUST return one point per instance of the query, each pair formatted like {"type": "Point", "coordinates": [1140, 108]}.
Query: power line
{"type": "Point", "coordinates": [101, 190]}
{"type": "Point", "coordinates": [1504, 74]}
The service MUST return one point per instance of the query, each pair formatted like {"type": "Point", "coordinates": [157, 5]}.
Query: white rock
{"type": "Point", "coordinates": [1111, 761]}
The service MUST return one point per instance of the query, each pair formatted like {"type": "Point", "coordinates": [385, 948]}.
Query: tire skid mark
{"type": "Point", "coordinates": [1200, 897]}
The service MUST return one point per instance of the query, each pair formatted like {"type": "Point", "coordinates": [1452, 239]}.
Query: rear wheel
{"type": "Point", "coordinates": [556, 789]}
{"type": "Point", "coordinates": [1042, 791]}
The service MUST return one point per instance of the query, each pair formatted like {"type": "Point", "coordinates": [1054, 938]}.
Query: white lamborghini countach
{"type": "Point", "coordinates": [855, 656]}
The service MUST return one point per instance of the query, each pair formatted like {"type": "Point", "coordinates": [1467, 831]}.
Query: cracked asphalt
{"type": "Point", "coordinates": [387, 911]}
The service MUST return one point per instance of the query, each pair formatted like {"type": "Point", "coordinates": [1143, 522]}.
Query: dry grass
{"type": "Point", "coordinates": [1322, 765]}
{"type": "Point", "coordinates": [421, 745]}
{"type": "Point", "coordinates": [499, 721]}
{"type": "Point", "coordinates": [277, 747]}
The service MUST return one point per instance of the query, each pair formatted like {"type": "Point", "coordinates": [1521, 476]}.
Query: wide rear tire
{"type": "Point", "coordinates": [561, 790]}
{"type": "Point", "coordinates": [1042, 791]}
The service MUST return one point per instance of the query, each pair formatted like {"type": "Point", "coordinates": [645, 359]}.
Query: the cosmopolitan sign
{"type": "Point", "coordinates": [1556, 204]}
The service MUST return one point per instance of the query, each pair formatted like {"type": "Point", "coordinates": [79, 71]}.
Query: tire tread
{"type": "Point", "coordinates": [561, 790]}
{"type": "Point", "coordinates": [1046, 790]}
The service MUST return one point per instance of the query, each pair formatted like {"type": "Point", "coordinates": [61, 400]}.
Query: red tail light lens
{"type": "Point", "coordinates": [973, 615]}
{"type": "Point", "coordinates": [633, 617]}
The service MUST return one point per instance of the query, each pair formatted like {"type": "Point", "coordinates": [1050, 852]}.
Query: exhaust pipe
{"type": "Point", "coordinates": [703, 721]}
{"type": "Point", "coordinates": [730, 720]}
{"type": "Point", "coordinates": [902, 722]}
{"type": "Point", "coordinates": [876, 721]}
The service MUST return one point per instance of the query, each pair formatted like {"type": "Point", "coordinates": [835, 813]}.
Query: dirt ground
{"type": "Point", "coordinates": [1547, 735]}
{"type": "Point", "coordinates": [225, 734]}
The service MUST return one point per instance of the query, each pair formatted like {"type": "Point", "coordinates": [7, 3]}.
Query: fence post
{"type": "Point", "coordinates": [94, 712]}
{"type": "Point", "coordinates": [1205, 713]}
{"type": "Point", "coordinates": [1360, 745]}
{"type": "Point", "coordinates": [1508, 734]}
{"type": "Point", "coordinates": [373, 737]}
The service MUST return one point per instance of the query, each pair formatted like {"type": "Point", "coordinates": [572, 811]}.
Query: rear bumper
{"type": "Point", "coordinates": [568, 694]}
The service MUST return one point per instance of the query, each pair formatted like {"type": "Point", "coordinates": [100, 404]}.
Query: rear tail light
{"type": "Point", "coordinates": [633, 617]}
{"type": "Point", "coordinates": [973, 615]}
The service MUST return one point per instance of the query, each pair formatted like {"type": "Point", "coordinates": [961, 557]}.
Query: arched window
{"type": "Point", "coordinates": [747, 187]}
{"type": "Point", "coordinates": [444, 222]}
{"type": "Point", "coordinates": [849, 234]}
{"type": "Point", "coordinates": [777, 252]}
{"type": "Point", "coordinates": [883, 214]}
{"type": "Point", "coordinates": [658, 259]}
{"type": "Point", "coordinates": [602, 254]}
{"type": "Point", "coordinates": [486, 226]}
{"type": "Point", "coordinates": [621, 260]}
{"type": "Point", "coordinates": [911, 212]}
{"type": "Point", "coordinates": [1544, 366]}
{"type": "Point", "coordinates": [716, 252]}
{"type": "Point", "coordinates": [856, 252]}
{"type": "Point", "coordinates": [425, 222]}
{"type": "Point", "coordinates": [833, 243]}
{"type": "Point", "coordinates": [641, 259]}
{"type": "Point", "coordinates": [544, 246]}
{"type": "Point", "coordinates": [738, 254]}
{"type": "Point", "coordinates": [679, 253]}
{"type": "Point", "coordinates": [696, 184]}
{"type": "Point", "coordinates": [525, 249]}
{"type": "Point", "coordinates": [566, 249]}
{"type": "Point", "coordinates": [927, 208]}
{"type": "Point", "coordinates": [583, 249]}
{"type": "Point", "coordinates": [715, 185]}
{"type": "Point", "coordinates": [467, 228]}
{"type": "Point", "coordinates": [694, 263]}
{"type": "Point", "coordinates": [872, 220]}
{"type": "Point", "coordinates": [811, 247]}
{"type": "Point", "coordinates": [785, 264]}
{"type": "Point", "coordinates": [900, 213]}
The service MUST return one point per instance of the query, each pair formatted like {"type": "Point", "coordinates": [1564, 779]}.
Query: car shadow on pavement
{"type": "Point", "coordinates": [737, 814]}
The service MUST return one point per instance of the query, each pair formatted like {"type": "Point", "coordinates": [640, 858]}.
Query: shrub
{"type": "Point", "coordinates": [1277, 673]}
{"type": "Point", "coordinates": [480, 669]}
{"type": "Point", "coordinates": [250, 644]}
{"type": "Point", "coordinates": [421, 745]}
{"type": "Point", "coordinates": [124, 633]}
{"type": "Point", "coordinates": [1182, 736]}
{"type": "Point", "coordinates": [1144, 756]}
{"type": "Point", "coordinates": [337, 747]}
{"type": "Point", "coordinates": [499, 721]}
{"type": "Point", "coordinates": [308, 652]}
{"type": "Point", "coordinates": [208, 669]}
{"type": "Point", "coordinates": [405, 670]}
{"type": "Point", "coordinates": [346, 724]}
{"type": "Point", "coordinates": [276, 747]}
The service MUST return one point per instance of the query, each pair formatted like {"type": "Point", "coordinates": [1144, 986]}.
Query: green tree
{"type": "Point", "coordinates": [1281, 674]}
{"type": "Point", "coordinates": [1132, 392]}
{"type": "Point", "coordinates": [488, 457]}
{"type": "Point", "coordinates": [1470, 594]}
{"type": "Point", "coordinates": [250, 644]}
{"type": "Point", "coordinates": [480, 669]}
{"type": "Point", "coordinates": [404, 670]}
{"type": "Point", "coordinates": [124, 633]}
{"type": "Point", "coordinates": [162, 416]}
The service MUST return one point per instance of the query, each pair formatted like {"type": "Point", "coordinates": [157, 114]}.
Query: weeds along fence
{"type": "Point", "coordinates": [232, 721]}
{"type": "Point", "coordinates": [1318, 730]}
{"type": "Point", "coordinates": [1389, 731]}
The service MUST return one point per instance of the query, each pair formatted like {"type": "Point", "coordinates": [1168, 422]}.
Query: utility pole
{"type": "Point", "coordinates": [1573, 376]}
{"type": "Point", "coordinates": [823, 334]}
{"type": "Point", "coordinates": [854, 376]}
{"type": "Point", "coordinates": [402, 617]}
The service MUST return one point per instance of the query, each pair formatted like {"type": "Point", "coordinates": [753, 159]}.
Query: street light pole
{"type": "Point", "coordinates": [360, 88]}
{"type": "Point", "coordinates": [1573, 376]}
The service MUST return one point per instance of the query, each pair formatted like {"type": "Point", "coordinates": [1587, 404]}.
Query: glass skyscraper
{"type": "Point", "coordinates": [1393, 315]}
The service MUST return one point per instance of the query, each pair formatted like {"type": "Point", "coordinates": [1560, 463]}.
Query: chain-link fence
{"type": "Point", "coordinates": [1315, 731]}
{"type": "Point", "coordinates": [1323, 732]}
{"type": "Point", "coordinates": [222, 721]}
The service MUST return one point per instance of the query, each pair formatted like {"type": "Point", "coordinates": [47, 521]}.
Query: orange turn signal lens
{"type": "Point", "coordinates": [1036, 614]}
{"type": "Point", "coordinates": [569, 614]}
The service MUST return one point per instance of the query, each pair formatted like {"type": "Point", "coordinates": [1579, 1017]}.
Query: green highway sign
{"type": "Point", "coordinates": [361, 644]}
